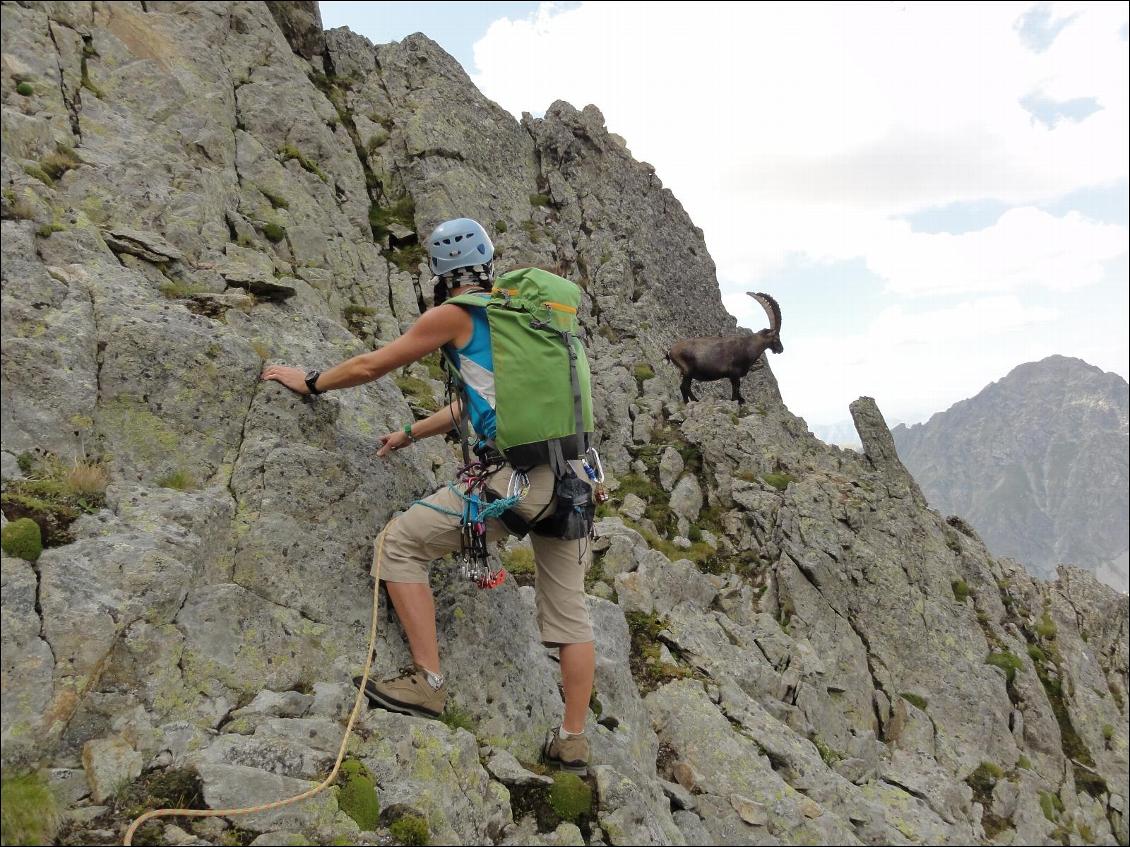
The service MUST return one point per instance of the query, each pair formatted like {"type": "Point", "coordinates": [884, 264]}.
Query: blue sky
{"type": "Point", "coordinates": [934, 192]}
{"type": "Point", "coordinates": [455, 26]}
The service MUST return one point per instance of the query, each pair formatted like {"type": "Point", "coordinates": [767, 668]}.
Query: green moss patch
{"type": "Point", "coordinates": [357, 795]}
{"type": "Point", "coordinates": [25, 89]}
{"type": "Point", "coordinates": [410, 829]}
{"type": "Point", "coordinates": [960, 590]}
{"type": "Point", "coordinates": [571, 797]}
{"type": "Point", "coordinates": [539, 200]}
{"type": "Point", "coordinates": [21, 538]}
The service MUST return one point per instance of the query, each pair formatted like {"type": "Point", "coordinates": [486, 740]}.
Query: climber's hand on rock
{"type": "Point", "coordinates": [292, 378]}
{"type": "Point", "coordinates": [392, 441]}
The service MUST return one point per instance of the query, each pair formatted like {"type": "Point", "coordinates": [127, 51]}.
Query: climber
{"type": "Point", "coordinates": [461, 257]}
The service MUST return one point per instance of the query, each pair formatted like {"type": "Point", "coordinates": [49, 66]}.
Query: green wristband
{"type": "Point", "coordinates": [408, 432]}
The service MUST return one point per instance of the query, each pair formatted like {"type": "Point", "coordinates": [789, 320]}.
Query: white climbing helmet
{"type": "Point", "coordinates": [460, 243]}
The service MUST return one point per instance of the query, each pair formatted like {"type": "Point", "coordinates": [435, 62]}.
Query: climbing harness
{"type": "Point", "coordinates": [325, 783]}
{"type": "Point", "coordinates": [470, 486]}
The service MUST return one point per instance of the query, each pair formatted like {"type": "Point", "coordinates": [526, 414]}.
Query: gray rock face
{"type": "Point", "coordinates": [1037, 463]}
{"type": "Point", "coordinates": [193, 189]}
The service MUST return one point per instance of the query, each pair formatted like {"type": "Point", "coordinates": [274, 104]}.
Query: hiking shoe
{"type": "Point", "coordinates": [570, 754]}
{"type": "Point", "coordinates": [408, 694]}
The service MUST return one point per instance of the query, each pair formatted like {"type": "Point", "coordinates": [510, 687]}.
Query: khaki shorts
{"type": "Point", "coordinates": [420, 535]}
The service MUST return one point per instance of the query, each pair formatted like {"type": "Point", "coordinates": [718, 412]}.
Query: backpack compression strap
{"type": "Point", "coordinates": [556, 455]}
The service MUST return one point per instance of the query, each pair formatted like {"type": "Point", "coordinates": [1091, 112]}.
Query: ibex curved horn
{"type": "Point", "coordinates": [772, 310]}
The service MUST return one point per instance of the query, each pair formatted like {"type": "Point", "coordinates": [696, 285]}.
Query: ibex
{"type": "Point", "coordinates": [729, 357]}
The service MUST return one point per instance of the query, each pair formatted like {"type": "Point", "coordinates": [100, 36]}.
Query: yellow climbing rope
{"type": "Point", "coordinates": [248, 810]}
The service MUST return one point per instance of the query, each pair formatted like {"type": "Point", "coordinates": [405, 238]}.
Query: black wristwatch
{"type": "Point", "coordinates": [311, 379]}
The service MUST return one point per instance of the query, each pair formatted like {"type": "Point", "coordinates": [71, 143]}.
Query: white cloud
{"type": "Point", "coordinates": [807, 130]}
{"type": "Point", "coordinates": [942, 355]}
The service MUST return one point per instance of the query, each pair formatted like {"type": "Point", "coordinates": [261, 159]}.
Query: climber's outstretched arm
{"type": "Point", "coordinates": [436, 327]}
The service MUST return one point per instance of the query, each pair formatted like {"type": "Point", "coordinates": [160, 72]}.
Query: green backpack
{"type": "Point", "coordinates": [543, 399]}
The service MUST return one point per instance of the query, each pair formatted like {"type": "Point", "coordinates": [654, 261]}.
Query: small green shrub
{"type": "Point", "coordinates": [357, 796]}
{"type": "Point", "coordinates": [960, 590]}
{"type": "Point", "coordinates": [411, 830]}
{"type": "Point", "coordinates": [353, 312]}
{"type": "Point", "coordinates": [829, 755]}
{"type": "Point", "coordinates": [402, 212]}
{"type": "Point", "coordinates": [417, 392]}
{"type": "Point", "coordinates": [533, 231]}
{"type": "Point", "coordinates": [47, 230]}
{"type": "Point", "coordinates": [19, 208]}
{"type": "Point", "coordinates": [276, 200]}
{"type": "Point", "coordinates": [519, 561]}
{"type": "Point", "coordinates": [694, 534]}
{"type": "Point", "coordinates": [22, 539]}
{"type": "Point", "coordinates": [1036, 653]}
{"type": "Point", "coordinates": [35, 172]}
{"type": "Point", "coordinates": [643, 373]}
{"type": "Point", "coordinates": [26, 462]}
{"type": "Point", "coordinates": [179, 480]}
{"type": "Point", "coordinates": [1051, 805]}
{"type": "Point", "coordinates": [539, 199]}
{"type": "Point", "coordinates": [570, 797]}
{"type": "Point", "coordinates": [915, 700]}
{"type": "Point", "coordinates": [1024, 762]}
{"type": "Point", "coordinates": [181, 290]}
{"type": "Point", "coordinates": [1046, 627]}
{"type": "Point", "coordinates": [409, 258]}
{"type": "Point", "coordinates": [458, 718]}
{"type": "Point", "coordinates": [28, 811]}
{"type": "Point", "coordinates": [58, 163]}
{"type": "Point", "coordinates": [174, 788]}
{"type": "Point", "coordinates": [289, 151]}
{"type": "Point", "coordinates": [984, 778]}
{"type": "Point", "coordinates": [500, 227]}
{"type": "Point", "coordinates": [780, 481]}
{"type": "Point", "coordinates": [1008, 662]}
{"type": "Point", "coordinates": [1108, 732]}
{"type": "Point", "coordinates": [26, 89]}
{"type": "Point", "coordinates": [274, 232]}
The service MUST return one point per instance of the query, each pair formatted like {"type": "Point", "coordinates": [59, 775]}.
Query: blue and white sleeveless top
{"type": "Point", "coordinates": [476, 366]}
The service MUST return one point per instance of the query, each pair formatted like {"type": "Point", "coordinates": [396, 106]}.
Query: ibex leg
{"type": "Point", "coordinates": [685, 387]}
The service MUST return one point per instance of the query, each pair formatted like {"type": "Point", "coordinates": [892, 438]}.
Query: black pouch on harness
{"type": "Point", "coordinates": [574, 511]}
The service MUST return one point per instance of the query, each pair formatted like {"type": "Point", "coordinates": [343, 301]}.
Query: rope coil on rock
{"type": "Point", "coordinates": [324, 784]}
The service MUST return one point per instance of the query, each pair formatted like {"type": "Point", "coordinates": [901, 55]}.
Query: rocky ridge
{"type": "Point", "coordinates": [792, 648]}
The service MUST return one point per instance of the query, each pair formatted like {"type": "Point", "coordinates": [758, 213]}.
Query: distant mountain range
{"type": "Point", "coordinates": [1037, 463]}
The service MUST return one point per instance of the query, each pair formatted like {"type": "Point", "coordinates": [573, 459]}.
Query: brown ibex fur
{"type": "Point", "coordinates": [726, 357]}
